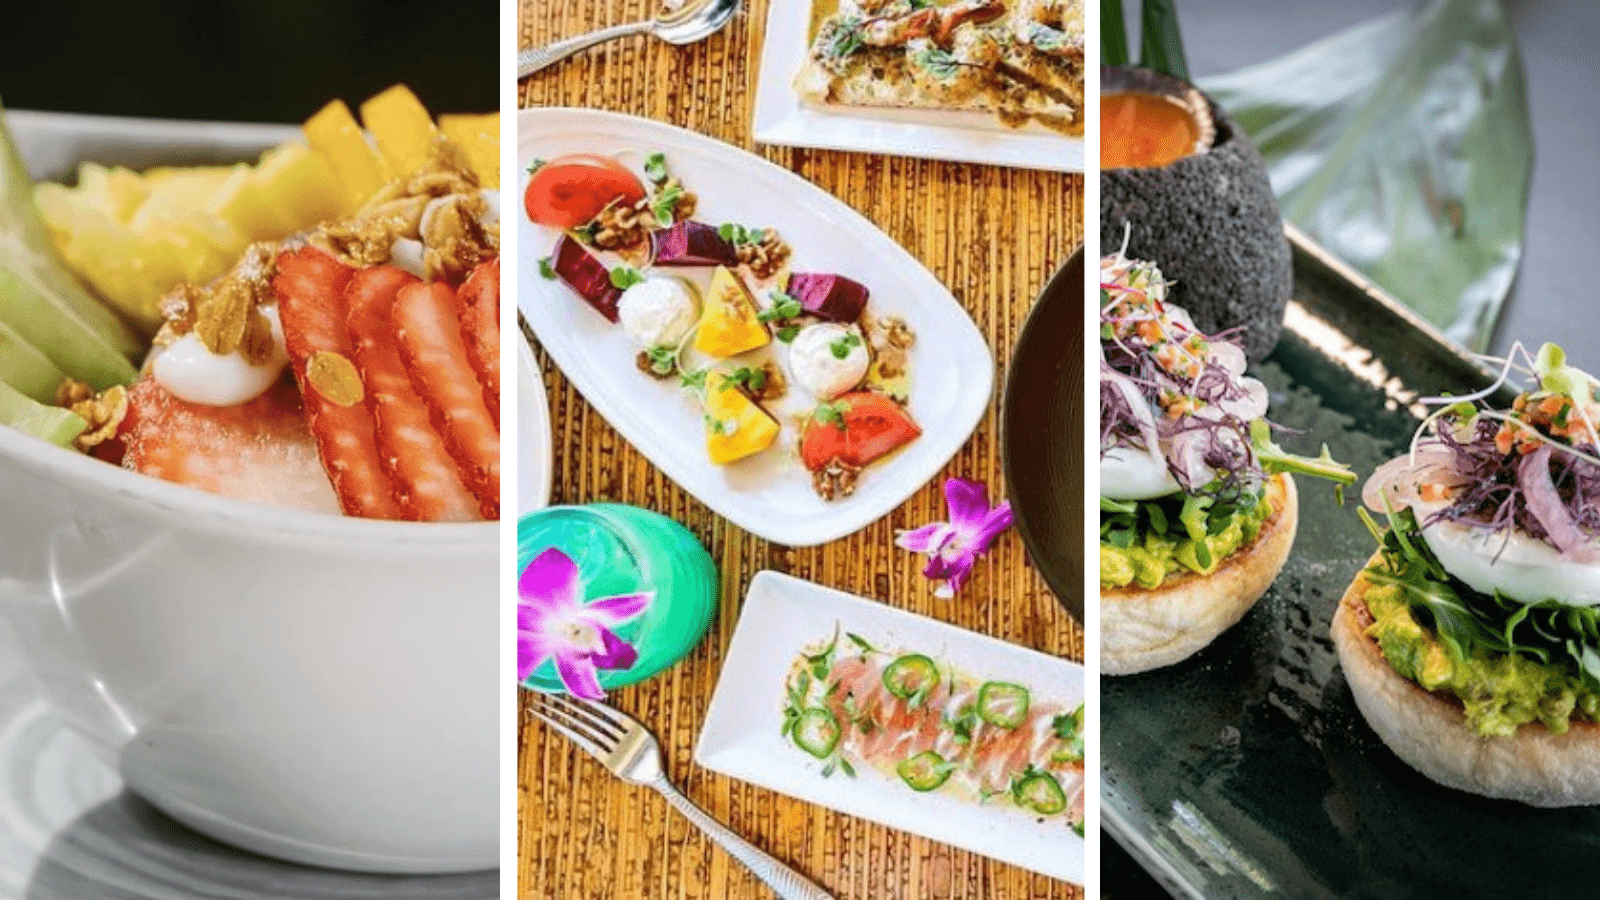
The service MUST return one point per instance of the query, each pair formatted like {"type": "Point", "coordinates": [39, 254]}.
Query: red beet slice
{"type": "Point", "coordinates": [691, 243]}
{"type": "Point", "coordinates": [584, 274]}
{"type": "Point", "coordinates": [832, 297]}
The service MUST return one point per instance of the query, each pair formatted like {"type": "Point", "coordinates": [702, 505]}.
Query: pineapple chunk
{"type": "Point", "coordinates": [736, 426]}
{"type": "Point", "coordinates": [334, 134]}
{"type": "Point", "coordinates": [401, 126]}
{"type": "Point", "coordinates": [117, 190]}
{"type": "Point", "coordinates": [728, 325]}
{"type": "Point", "coordinates": [240, 201]}
{"type": "Point", "coordinates": [298, 187]}
{"type": "Point", "coordinates": [479, 137]}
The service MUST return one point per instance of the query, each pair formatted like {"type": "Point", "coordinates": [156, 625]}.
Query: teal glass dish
{"type": "Point", "coordinates": [621, 549]}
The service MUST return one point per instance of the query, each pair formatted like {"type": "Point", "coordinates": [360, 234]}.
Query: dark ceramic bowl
{"type": "Point", "coordinates": [1041, 438]}
{"type": "Point", "coordinates": [1210, 221]}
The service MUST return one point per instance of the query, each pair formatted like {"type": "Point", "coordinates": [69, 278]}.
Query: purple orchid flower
{"type": "Point", "coordinates": [554, 622]}
{"type": "Point", "coordinates": [954, 546]}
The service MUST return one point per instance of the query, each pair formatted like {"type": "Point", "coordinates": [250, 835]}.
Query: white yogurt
{"type": "Point", "coordinates": [658, 311]}
{"type": "Point", "coordinates": [818, 370]}
{"type": "Point", "coordinates": [191, 372]}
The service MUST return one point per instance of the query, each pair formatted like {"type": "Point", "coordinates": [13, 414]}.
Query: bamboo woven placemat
{"type": "Point", "coordinates": [994, 236]}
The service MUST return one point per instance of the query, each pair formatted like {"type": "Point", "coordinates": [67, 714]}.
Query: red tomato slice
{"type": "Point", "coordinates": [874, 426]}
{"type": "Point", "coordinates": [569, 191]}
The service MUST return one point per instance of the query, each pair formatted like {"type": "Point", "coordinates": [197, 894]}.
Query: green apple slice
{"type": "Point", "coordinates": [23, 367]}
{"type": "Point", "coordinates": [47, 423]}
{"type": "Point", "coordinates": [40, 300]}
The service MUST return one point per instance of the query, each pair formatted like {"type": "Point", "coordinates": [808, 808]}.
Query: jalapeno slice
{"type": "Point", "coordinates": [1040, 792]}
{"type": "Point", "coordinates": [911, 678]}
{"type": "Point", "coordinates": [925, 772]}
{"type": "Point", "coordinates": [1003, 704]}
{"type": "Point", "coordinates": [817, 732]}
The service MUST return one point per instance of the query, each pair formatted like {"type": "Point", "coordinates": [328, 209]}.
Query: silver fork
{"type": "Point", "coordinates": [632, 754]}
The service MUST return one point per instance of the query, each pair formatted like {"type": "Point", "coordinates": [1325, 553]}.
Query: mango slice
{"type": "Point", "coordinates": [479, 137]}
{"type": "Point", "coordinates": [333, 132]}
{"type": "Point", "coordinates": [736, 426]}
{"type": "Point", "coordinates": [401, 126]}
{"type": "Point", "coordinates": [728, 324]}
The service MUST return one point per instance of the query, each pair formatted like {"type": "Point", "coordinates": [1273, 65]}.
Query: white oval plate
{"type": "Point", "coordinates": [768, 495]}
{"type": "Point", "coordinates": [742, 736]}
{"type": "Point", "coordinates": [534, 453]}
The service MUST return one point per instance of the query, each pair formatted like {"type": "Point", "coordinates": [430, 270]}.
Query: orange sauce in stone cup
{"type": "Point", "coordinates": [1144, 131]}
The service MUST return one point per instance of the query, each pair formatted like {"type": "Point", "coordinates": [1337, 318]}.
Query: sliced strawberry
{"type": "Point", "coordinates": [872, 426]}
{"type": "Point", "coordinates": [413, 453]}
{"type": "Point", "coordinates": [309, 285]}
{"type": "Point", "coordinates": [259, 451]}
{"type": "Point", "coordinates": [436, 358]}
{"type": "Point", "coordinates": [479, 299]}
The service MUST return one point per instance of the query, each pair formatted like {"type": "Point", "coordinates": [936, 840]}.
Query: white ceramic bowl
{"type": "Point", "coordinates": [315, 688]}
{"type": "Point", "coordinates": [306, 686]}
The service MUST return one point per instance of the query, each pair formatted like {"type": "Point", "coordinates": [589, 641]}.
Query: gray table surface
{"type": "Point", "coordinates": [1553, 297]}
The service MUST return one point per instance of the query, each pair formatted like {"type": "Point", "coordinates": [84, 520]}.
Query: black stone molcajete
{"type": "Point", "coordinates": [1209, 221]}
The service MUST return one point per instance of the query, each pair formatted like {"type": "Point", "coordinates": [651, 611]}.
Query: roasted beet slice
{"type": "Point", "coordinates": [832, 297]}
{"type": "Point", "coordinates": [584, 274]}
{"type": "Point", "coordinates": [691, 243]}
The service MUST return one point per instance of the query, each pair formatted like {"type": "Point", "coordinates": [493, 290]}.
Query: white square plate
{"type": "Point", "coordinates": [742, 733]}
{"type": "Point", "coordinates": [770, 494]}
{"type": "Point", "coordinates": [961, 136]}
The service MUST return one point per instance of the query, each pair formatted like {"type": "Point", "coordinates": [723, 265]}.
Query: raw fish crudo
{"type": "Point", "coordinates": [325, 322]}
{"type": "Point", "coordinates": [935, 729]}
{"type": "Point", "coordinates": [774, 360]}
{"type": "Point", "coordinates": [1472, 640]}
{"type": "Point", "coordinates": [1197, 509]}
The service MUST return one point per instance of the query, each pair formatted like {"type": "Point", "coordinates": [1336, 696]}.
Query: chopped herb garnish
{"type": "Point", "coordinates": [842, 346]}
{"type": "Point", "coordinates": [655, 167]}
{"type": "Point", "coordinates": [783, 307]}
{"type": "Point", "coordinates": [752, 380]}
{"type": "Point", "coordinates": [831, 413]}
{"type": "Point", "coordinates": [663, 360]}
{"type": "Point", "coordinates": [695, 381]}
{"type": "Point", "coordinates": [787, 333]}
{"type": "Point", "coordinates": [939, 63]}
{"type": "Point", "coordinates": [546, 269]}
{"type": "Point", "coordinates": [536, 165]}
{"type": "Point", "coordinates": [624, 277]}
{"type": "Point", "coordinates": [665, 204]}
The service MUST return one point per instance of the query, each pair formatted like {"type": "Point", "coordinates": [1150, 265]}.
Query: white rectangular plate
{"type": "Point", "coordinates": [742, 734]}
{"type": "Point", "coordinates": [770, 495]}
{"type": "Point", "coordinates": [961, 136]}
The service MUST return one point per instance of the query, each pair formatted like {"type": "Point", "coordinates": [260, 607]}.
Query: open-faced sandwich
{"type": "Point", "coordinates": [1197, 507]}
{"type": "Point", "coordinates": [319, 330]}
{"type": "Point", "coordinates": [1021, 60]}
{"type": "Point", "coordinates": [772, 358]}
{"type": "Point", "coordinates": [1472, 640]}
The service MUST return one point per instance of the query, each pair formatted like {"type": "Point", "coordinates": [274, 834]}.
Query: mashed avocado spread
{"type": "Point", "coordinates": [1162, 546]}
{"type": "Point", "coordinates": [1500, 691]}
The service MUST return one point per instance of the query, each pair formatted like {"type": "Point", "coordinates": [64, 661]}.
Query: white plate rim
{"type": "Point", "coordinates": [747, 659]}
{"type": "Point", "coordinates": [778, 116]}
{"type": "Point", "coordinates": [892, 485]}
{"type": "Point", "coordinates": [535, 452]}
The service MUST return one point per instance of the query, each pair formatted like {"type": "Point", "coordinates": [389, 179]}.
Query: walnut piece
{"type": "Point", "coordinates": [836, 479]}
{"type": "Point", "coordinates": [765, 258]}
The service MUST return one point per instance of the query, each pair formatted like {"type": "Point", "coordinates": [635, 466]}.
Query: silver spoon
{"type": "Point", "coordinates": [694, 20]}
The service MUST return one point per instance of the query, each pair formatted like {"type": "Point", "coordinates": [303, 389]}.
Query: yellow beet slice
{"type": "Point", "coordinates": [360, 171]}
{"type": "Point", "coordinates": [736, 426]}
{"type": "Point", "coordinates": [401, 126]}
{"type": "Point", "coordinates": [728, 324]}
{"type": "Point", "coordinates": [479, 137]}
